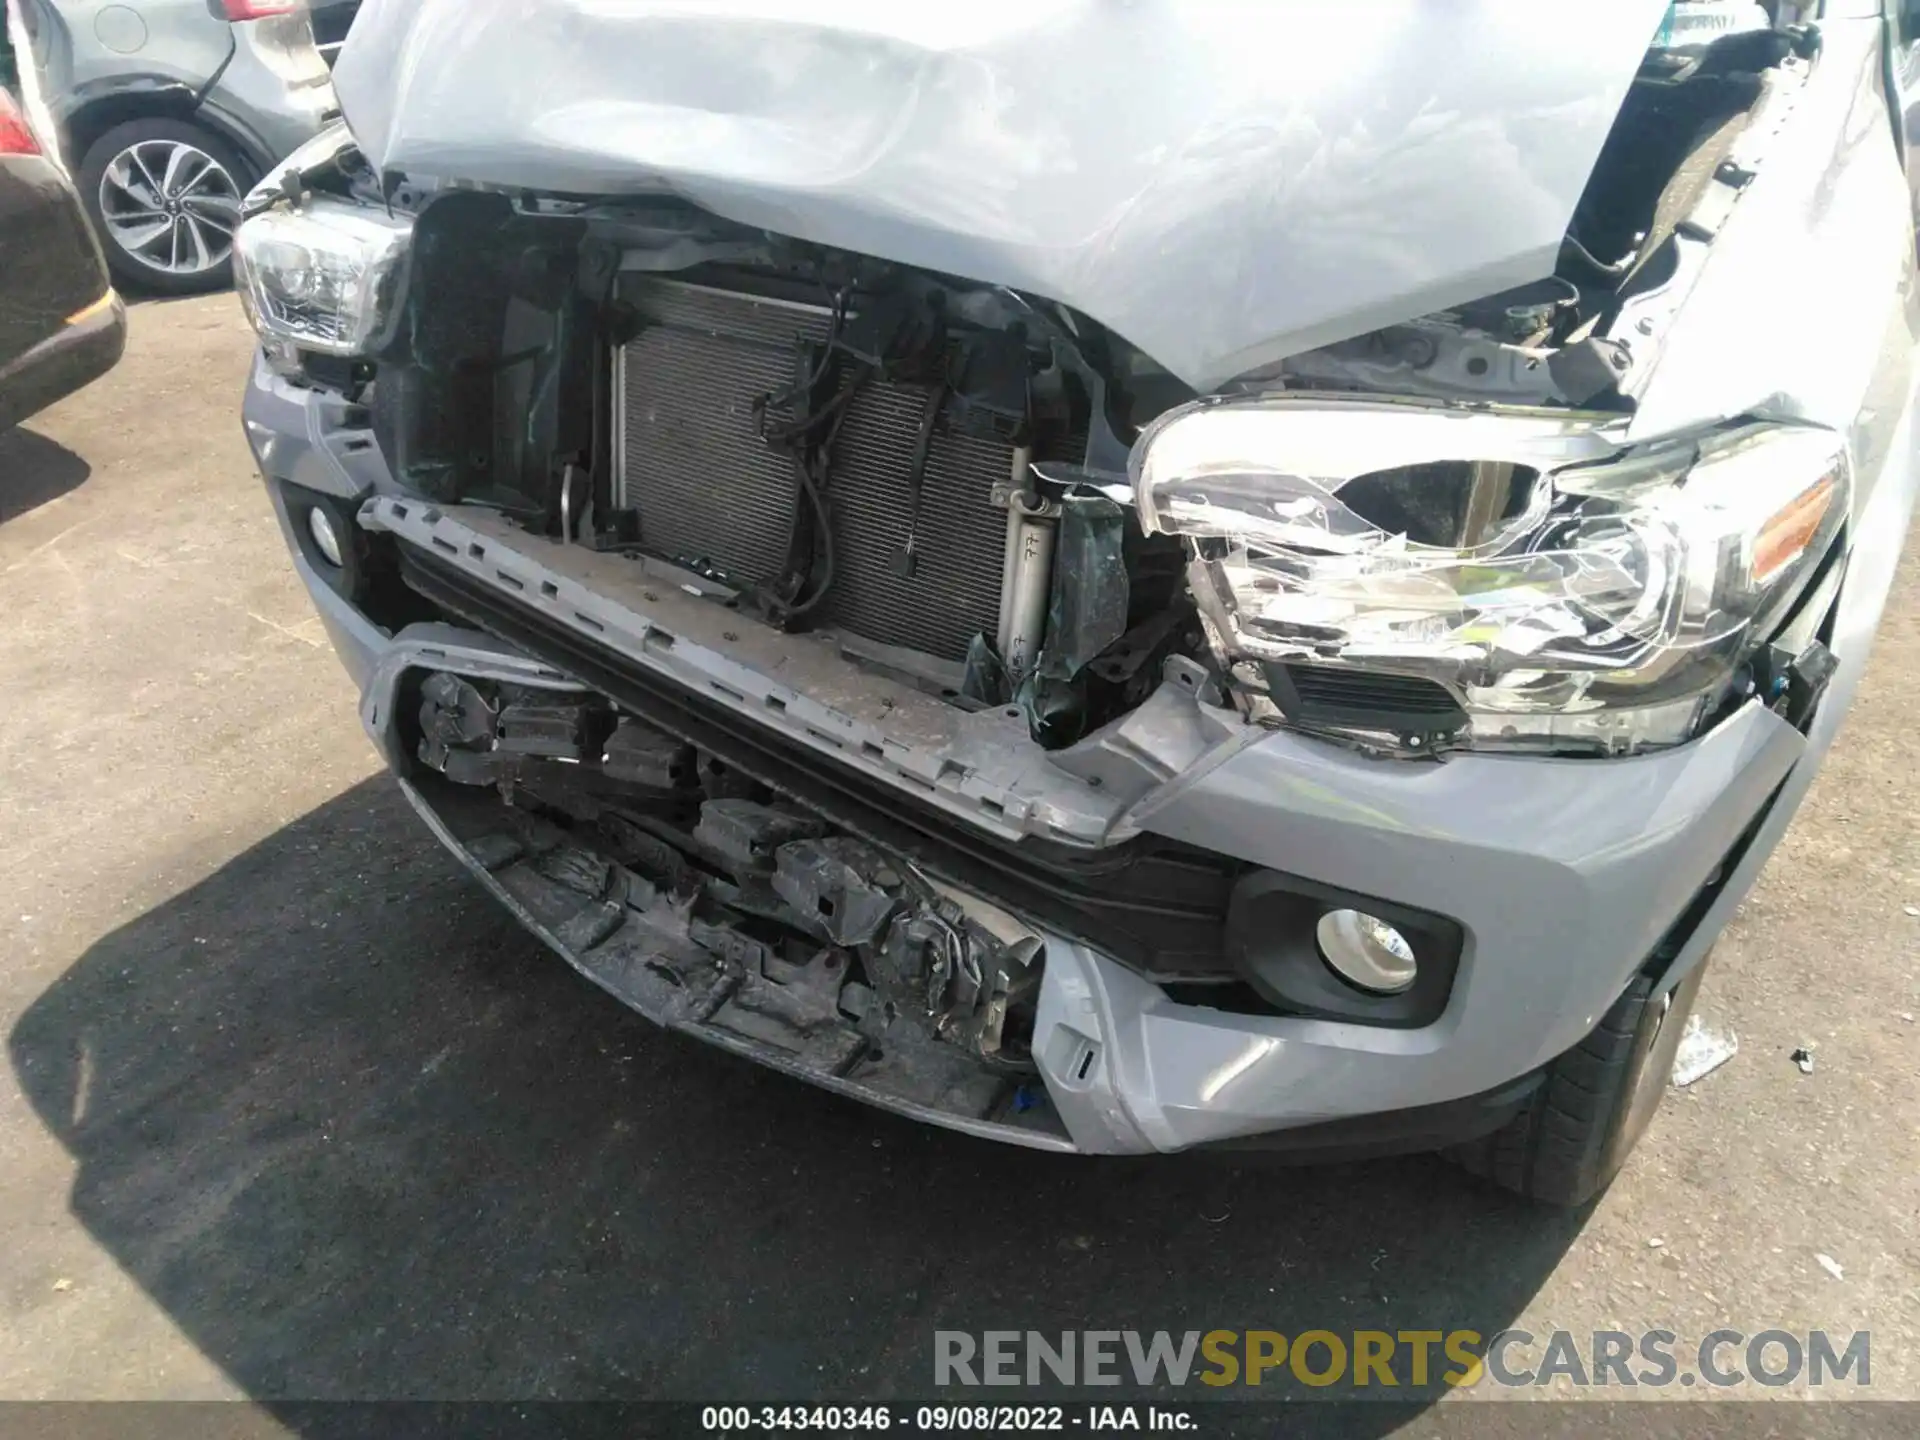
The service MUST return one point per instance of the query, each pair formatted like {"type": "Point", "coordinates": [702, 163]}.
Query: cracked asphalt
{"type": "Point", "coordinates": [292, 1111]}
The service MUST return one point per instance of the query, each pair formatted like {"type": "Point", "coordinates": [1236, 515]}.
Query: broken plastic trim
{"type": "Point", "coordinates": [813, 942]}
{"type": "Point", "coordinates": [631, 940]}
{"type": "Point", "coordinates": [1086, 615]}
{"type": "Point", "coordinates": [1151, 903]}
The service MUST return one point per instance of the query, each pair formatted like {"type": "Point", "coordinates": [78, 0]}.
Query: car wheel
{"type": "Point", "coordinates": [1597, 1100]}
{"type": "Point", "coordinates": [164, 198]}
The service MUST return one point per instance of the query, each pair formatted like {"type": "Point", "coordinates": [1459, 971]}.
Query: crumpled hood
{"type": "Point", "coordinates": [1222, 182]}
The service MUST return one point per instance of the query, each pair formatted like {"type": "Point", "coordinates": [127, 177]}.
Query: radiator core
{"type": "Point", "coordinates": [689, 459]}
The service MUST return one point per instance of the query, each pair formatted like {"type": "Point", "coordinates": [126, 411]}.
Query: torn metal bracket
{"type": "Point", "coordinates": [1086, 615]}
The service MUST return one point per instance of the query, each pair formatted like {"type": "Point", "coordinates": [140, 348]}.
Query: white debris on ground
{"type": "Point", "coordinates": [1803, 1057]}
{"type": "Point", "coordinates": [1703, 1049]}
{"type": "Point", "coordinates": [1831, 1266]}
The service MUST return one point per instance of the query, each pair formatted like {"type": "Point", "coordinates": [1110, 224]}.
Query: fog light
{"type": "Point", "coordinates": [1365, 951]}
{"type": "Point", "coordinates": [320, 527]}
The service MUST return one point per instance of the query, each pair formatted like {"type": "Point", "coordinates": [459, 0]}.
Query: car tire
{"type": "Point", "coordinates": [1596, 1101]}
{"type": "Point", "coordinates": [192, 249]}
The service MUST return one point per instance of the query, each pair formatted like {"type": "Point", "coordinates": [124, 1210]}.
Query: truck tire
{"type": "Point", "coordinates": [1578, 1128]}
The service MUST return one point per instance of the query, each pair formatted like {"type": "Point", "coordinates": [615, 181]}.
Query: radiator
{"type": "Point", "coordinates": [690, 461]}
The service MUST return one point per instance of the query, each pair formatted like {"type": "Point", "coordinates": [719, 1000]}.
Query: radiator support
{"type": "Point", "coordinates": [922, 553]}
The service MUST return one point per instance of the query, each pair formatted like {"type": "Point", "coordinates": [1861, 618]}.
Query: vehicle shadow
{"type": "Point", "coordinates": [359, 1137]}
{"type": "Point", "coordinates": [140, 298]}
{"type": "Point", "coordinates": [34, 470]}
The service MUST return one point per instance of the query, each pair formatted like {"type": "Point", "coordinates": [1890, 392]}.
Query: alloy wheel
{"type": "Point", "coordinates": [170, 206]}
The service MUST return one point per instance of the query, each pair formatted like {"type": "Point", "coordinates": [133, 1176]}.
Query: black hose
{"type": "Point", "coordinates": [812, 485]}
{"type": "Point", "coordinates": [1587, 257]}
{"type": "Point", "coordinates": [785, 434]}
{"type": "Point", "coordinates": [917, 470]}
{"type": "Point", "coordinates": [805, 387]}
{"type": "Point", "coordinates": [825, 577]}
{"type": "Point", "coordinates": [811, 472]}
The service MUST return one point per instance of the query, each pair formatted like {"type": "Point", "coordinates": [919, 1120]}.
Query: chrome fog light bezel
{"type": "Point", "coordinates": [352, 578]}
{"type": "Point", "coordinates": [1366, 952]}
{"type": "Point", "coordinates": [325, 540]}
{"type": "Point", "coordinates": [1272, 943]}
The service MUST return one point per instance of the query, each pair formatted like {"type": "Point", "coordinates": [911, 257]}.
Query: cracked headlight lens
{"type": "Point", "coordinates": [1536, 581]}
{"type": "Point", "coordinates": [322, 276]}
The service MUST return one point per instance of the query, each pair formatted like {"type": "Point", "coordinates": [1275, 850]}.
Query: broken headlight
{"type": "Point", "coordinates": [322, 274]}
{"type": "Point", "coordinates": [1520, 579]}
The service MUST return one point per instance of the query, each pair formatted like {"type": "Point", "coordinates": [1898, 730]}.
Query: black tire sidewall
{"type": "Point", "coordinates": [128, 271]}
{"type": "Point", "coordinates": [1594, 1102]}
{"type": "Point", "coordinates": [1656, 1041]}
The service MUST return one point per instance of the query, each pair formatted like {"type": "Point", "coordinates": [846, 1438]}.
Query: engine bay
{"type": "Point", "coordinates": [871, 464]}
{"type": "Point", "coordinates": [929, 474]}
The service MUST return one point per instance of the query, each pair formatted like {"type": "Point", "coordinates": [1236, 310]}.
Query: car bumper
{"type": "Point", "coordinates": [83, 350]}
{"type": "Point", "coordinates": [1566, 876]}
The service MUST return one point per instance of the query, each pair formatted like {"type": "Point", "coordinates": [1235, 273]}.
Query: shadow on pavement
{"type": "Point", "coordinates": [138, 298]}
{"type": "Point", "coordinates": [34, 470]}
{"type": "Point", "coordinates": [360, 1137]}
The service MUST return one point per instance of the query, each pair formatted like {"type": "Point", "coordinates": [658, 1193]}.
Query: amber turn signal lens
{"type": "Point", "coordinates": [1785, 534]}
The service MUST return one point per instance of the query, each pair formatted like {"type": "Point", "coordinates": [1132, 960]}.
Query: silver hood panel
{"type": "Point", "coordinates": [1222, 182]}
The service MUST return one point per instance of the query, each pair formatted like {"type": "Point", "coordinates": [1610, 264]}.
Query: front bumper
{"type": "Point", "coordinates": [1566, 876]}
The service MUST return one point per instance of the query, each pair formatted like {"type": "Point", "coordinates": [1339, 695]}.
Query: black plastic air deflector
{"type": "Point", "coordinates": [1347, 698]}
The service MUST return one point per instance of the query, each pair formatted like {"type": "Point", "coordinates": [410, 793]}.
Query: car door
{"type": "Point", "coordinates": [95, 48]}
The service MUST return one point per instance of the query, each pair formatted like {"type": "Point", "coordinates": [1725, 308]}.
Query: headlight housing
{"type": "Point", "coordinates": [322, 275]}
{"type": "Point", "coordinates": [1472, 577]}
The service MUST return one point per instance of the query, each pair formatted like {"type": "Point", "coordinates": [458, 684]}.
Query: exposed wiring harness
{"type": "Point", "coordinates": [917, 472]}
{"type": "Point", "coordinates": [813, 458]}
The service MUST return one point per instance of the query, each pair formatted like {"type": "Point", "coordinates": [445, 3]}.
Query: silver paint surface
{"type": "Point", "coordinates": [1222, 182]}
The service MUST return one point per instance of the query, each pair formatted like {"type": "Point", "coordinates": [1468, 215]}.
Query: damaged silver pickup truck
{"type": "Point", "coordinates": [1114, 577]}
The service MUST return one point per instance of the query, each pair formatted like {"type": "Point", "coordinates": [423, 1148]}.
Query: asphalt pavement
{"type": "Point", "coordinates": [291, 1110]}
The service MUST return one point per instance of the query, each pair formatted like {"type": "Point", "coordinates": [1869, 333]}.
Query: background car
{"type": "Point", "coordinates": [331, 21]}
{"type": "Point", "coordinates": [61, 326]}
{"type": "Point", "coordinates": [168, 111]}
